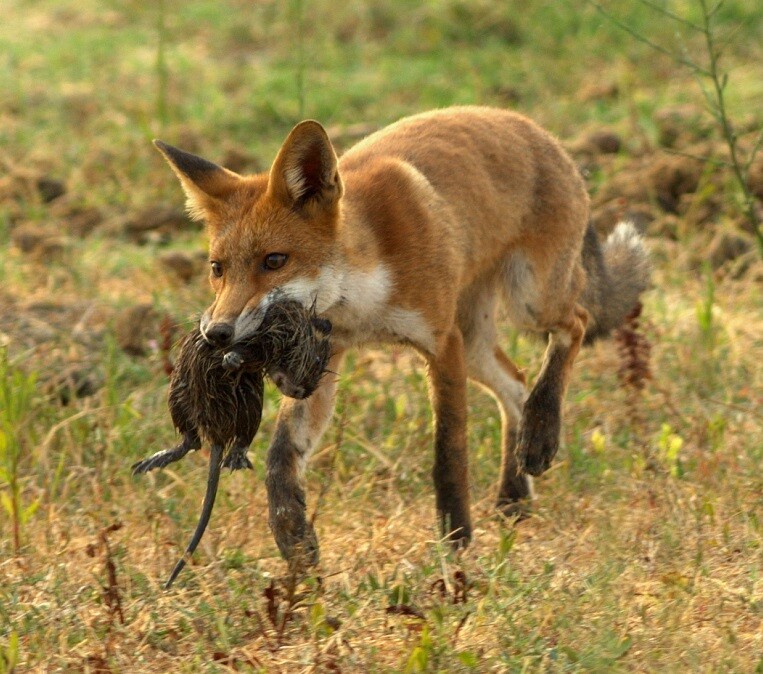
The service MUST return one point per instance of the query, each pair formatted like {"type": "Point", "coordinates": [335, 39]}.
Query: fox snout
{"type": "Point", "coordinates": [222, 326]}
{"type": "Point", "coordinates": [219, 334]}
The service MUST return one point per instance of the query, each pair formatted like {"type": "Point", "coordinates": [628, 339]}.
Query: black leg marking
{"type": "Point", "coordinates": [541, 423]}
{"type": "Point", "coordinates": [451, 482]}
{"type": "Point", "coordinates": [287, 508]}
{"type": "Point", "coordinates": [447, 373]}
{"type": "Point", "coordinates": [514, 491]}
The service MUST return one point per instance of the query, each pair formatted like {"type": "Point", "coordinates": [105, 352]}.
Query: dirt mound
{"type": "Point", "coordinates": [155, 224]}
{"type": "Point", "coordinates": [684, 185]}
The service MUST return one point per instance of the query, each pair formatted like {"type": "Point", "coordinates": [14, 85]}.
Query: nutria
{"type": "Point", "coordinates": [217, 395]}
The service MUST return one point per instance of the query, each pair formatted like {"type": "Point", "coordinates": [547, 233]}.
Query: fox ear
{"type": "Point", "coordinates": [304, 174]}
{"type": "Point", "coordinates": [205, 184]}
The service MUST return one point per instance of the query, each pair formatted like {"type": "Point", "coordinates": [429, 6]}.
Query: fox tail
{"type": "Point", "coordinates": [618, 271]}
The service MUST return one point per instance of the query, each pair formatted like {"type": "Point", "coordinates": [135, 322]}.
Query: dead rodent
{"type": "Point", "coordinates": [216, 395]}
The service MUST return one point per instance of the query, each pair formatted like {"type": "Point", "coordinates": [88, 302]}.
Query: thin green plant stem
{"type": "Point", "coordinates": [671, 15]}
{"type": "Point", "coordinates": [715, 96]}
{"type": "Point", "coordinates": [719, 82]}
{"type": "Point", "coordinates": [689, 63]}
{"type": "Point", "coordinates": [753, 153]}
{"type": "Point", "coordinates": [162, 77]}
{"type": "Point", "coordinates": [298, 7]}
{"type": "Point", "coordinates": [16, 390]}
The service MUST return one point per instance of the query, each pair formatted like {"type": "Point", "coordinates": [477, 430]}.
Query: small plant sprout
{"type": "Point", "coordinates": [713, 81]}
{"type": "Point", "coordinates": [16, 392]}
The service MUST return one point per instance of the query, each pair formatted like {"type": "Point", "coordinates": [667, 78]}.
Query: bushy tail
{"type": "Point", "coordinates": [618, 272]}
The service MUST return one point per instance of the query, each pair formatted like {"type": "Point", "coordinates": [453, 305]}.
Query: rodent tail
{"type": "Point", "coordinates": [213, 480]}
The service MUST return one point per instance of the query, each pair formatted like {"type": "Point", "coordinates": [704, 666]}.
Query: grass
{"type": "Point", "coordinates": [646, 546]}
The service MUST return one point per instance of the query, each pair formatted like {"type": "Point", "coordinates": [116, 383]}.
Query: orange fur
{"type": "Point", "coordinates": [414, 236]}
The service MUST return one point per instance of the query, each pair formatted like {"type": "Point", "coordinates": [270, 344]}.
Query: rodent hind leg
{"type": "Point", "coordinates": [161, 459]}
{"type": "Point", "coordinates": [236, 458]}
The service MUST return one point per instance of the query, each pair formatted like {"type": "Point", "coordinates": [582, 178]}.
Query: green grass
{"type": "Point", "coordinates": [646, 545]}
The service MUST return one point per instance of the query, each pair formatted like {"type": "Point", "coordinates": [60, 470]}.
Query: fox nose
{"type": "Point", "coordinates": [220, 334]}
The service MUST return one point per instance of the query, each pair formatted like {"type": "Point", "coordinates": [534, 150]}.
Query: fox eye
{"type": "Point", "coordinates": [217, 269]}
{"type": "Point", "coordinates": [274, 261]}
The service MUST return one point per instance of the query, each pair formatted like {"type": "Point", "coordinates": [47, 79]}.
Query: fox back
{"type": "Point", "coordinates": [416, 236]}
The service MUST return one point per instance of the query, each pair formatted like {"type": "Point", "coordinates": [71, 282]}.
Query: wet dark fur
{"type": "Point", "coordinates": [217, 396]}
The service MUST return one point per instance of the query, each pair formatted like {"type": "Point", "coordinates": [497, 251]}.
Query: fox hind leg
{"type": "Point", "coordinates": [489, 366]}
{"type": "Point", "coordinates": [540, 427]}
{"type": "Point", "coordinates": [541, 286]}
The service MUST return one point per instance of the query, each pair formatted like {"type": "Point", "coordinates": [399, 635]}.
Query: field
{"type": "Point", "coordinates": [644, 551]}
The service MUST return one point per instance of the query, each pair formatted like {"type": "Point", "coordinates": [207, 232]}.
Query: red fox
{"type": "Point", "coordinates": [415, 236]}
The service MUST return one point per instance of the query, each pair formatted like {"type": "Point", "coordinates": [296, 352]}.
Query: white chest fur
{"type": "Point", "coordinates": [363, 310]}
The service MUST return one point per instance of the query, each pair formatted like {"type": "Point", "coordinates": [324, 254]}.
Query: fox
{"type": "Point", "coordinates": [425, 233]}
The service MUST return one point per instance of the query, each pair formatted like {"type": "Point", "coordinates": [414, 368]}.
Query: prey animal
{"type": "Point", "coordinates": [217, 395]}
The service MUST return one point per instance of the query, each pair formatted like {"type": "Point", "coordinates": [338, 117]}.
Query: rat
{"type": "Point", "coordinates": [217, 394]}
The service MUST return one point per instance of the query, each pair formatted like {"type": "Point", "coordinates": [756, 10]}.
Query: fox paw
{"type": "Point", "coordinates": [516, 494]}
{"type": "Point", "coordinates": [538, 436]}
{"type": "Point", "coordinates": [294, 535]}
{"type": "Point", "coordinates": [514, 509]}
{"type": "Point", "coordinates": [455, 523]}
{"type": "Point", "coordinates": [298, 545]}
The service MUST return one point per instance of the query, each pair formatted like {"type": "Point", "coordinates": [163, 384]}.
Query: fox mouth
{"type": "Point", "coordinates": [249, 321]}
{"type": "Point", "coordinates": [245, 325]}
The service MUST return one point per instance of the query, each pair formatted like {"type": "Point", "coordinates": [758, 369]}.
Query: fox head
{"type": "Point", "coordinates": [271, 236]}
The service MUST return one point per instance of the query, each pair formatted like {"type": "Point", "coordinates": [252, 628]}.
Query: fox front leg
{"type": "Point", "coordinates": [287, 508]}
{"type": "Point", "coordinates": [167, 456]}
{"type": "Point", "coordinates": [300, 426]}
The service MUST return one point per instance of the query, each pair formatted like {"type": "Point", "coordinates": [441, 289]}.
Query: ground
{"type": "Point", "coordinates": [645, 547]}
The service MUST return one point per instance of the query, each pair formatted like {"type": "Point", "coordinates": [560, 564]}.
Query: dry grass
{"type": "Point", "coordinates": [645, 549]}
{"type": "Point", "coordinates": [626, 564]}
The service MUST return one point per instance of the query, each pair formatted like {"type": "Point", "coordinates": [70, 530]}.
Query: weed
{"type": "Point", "coordinates": [634, 349]}
{"type": "Point", "coordinates": [705, 308]}
{"type": "Point", "coordinates": [669, 445]}
{"type": "Point", "coordinates": [297, 18]}
{"type": "Point", "coordinates": [618, 568]}
{"type": "Point", "coordinates": [633, 372]}
{"type": "Point", "coordinates": [9, 655]}
{"type": "Point", "coordinates": [421, 656]}
{"type": "Point", "coordinates": [715, 96]}
{"type": "Point", "coordinates": [16, 392]}
{"type": "Point", "coordinates": [162, 72]}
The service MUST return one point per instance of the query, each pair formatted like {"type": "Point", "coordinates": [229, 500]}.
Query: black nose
{"type": "Point", "coordinates": [220, 334]}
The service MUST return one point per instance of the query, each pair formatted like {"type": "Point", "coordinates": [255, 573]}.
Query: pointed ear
{"type": "Point", "coordinates": [304, 174]}
{"type": "Point", "coordinates": [205, 184]}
